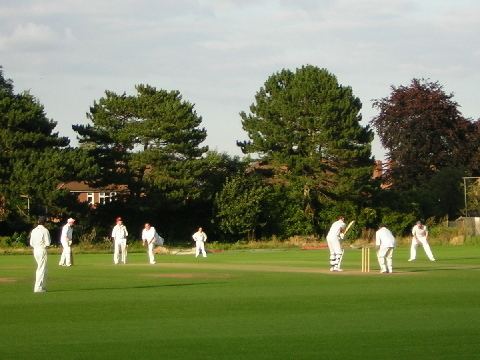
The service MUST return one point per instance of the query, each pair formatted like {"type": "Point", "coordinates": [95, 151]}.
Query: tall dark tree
{"type": "Point", "coordinates": [151, 142]}
{"type": "Point", "coordinates": [33, 158]}
{"type": "Point", "coordinates": [149, 136]}
{"type": "Point", "coordinates": [423, 131]}
{"type": "Point", "coordinates": [473, 165]}
{"type": "Point", "coordinates": [308, 123]}
{"type": "Point", "coordinates": [24, 128]}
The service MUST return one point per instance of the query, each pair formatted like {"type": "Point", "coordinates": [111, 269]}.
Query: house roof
{"type": "Point", "coordinates": [81, 186]}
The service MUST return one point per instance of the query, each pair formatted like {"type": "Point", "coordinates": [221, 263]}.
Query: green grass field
{"type": "Point", "coordinates": [278, 304]}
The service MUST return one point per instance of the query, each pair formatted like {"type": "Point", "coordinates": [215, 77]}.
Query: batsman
{"type": "Point", "coordinates": [336, 233]}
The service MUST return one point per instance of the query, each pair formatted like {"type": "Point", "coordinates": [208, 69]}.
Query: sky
{"type": "Point", "coordinates": [218, 54]}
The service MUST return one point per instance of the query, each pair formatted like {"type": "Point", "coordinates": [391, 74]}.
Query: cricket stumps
{"type": "Point", "coordinates": [365, 259]}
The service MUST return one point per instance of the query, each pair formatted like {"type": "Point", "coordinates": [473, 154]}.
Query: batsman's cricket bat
{"type": "Point", "coordinates": [350, 224]}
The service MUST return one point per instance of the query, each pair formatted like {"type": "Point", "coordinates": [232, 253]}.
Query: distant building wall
{"type": "Point", "coordinates": [94, 196]}
{"type": "Point", "coordinates": [469, 225]}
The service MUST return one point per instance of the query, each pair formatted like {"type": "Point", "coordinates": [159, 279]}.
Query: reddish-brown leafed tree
{"type": "Point", "coordinates": [474, 148]}
{"type": "Point", "coordinates": [423, 131]}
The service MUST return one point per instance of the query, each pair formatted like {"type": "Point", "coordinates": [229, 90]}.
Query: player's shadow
{"type": "Point", "coordinates": [443, 269]}
{"type": "Point", "coordinates": [135, 287]}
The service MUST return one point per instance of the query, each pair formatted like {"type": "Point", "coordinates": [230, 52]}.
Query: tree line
{"type": "Point", "coordinates": [307, 159]}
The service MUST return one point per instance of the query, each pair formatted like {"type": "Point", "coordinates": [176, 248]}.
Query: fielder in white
{"type": "Point", "coordinates": [66, 240]}
{"type": "Point", "coordinates": [40, 240]}
{"type": "Point", "coordinates": [149, 238]}
{"type": "Point", "coordinates": [119, 235]}
{"type": "Point", "coordinates": [385, 242]}
{"type": "Point", "coordinates": [420, 236]}
{"type": "Point", "coordinates": [333, 240]}
{"type": "Point", "coordinates": [200, 238]}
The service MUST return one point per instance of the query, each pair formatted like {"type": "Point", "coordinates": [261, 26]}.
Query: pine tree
{"type": "Point", "coordinates": [150, 141]}
{"type": "Point", "coordinates": [307, 122]}
{"type": "Point", "coordinates": [33, 158]}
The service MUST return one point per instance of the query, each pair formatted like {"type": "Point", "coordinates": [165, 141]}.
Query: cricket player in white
{"type": "Point", "coordinates": [119, 235]}
{"type": "Point", "coordinates": [149, 237]}
{"type": "Point", "coordinates": [66, 240]}
{"type": "Point", "coordinates": [333, 240]}
{"type": "Point", "coordinates": [420, 235]}
{"type": "Point", "coordinates": [200, 237]}
{"type": "Point", "coordinates": [40, 240]}
{"type": "Point", "coordinates": [385, 242]}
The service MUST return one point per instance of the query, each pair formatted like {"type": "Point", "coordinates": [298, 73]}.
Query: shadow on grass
{"type": "Point", "coordinates": [135, 287]}
{"type": "Point", "coordinates": [457, 259]}
{"type": "Point", "coordinates": [444, 269]}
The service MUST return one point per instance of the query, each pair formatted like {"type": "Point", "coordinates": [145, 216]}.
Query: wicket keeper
{"type": "Point", "coordinates": [385, 242]}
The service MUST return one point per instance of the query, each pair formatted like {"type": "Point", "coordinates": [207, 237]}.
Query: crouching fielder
{"type": "Point", "coordinates": [420, 235]}
{"type": "Point", "coordinates": [333, 240]}
{"type": "Point", "coordinates": [385, 242]}
{"type": "Point", "coordinates": [200, 237]}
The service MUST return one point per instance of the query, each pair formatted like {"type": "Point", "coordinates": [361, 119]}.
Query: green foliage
{"type": "Point", "coordinates": [214, 169]}
{"type": "Point", "coordinates": [442, 234]}
{"type": "Point", "coordinates": [144, 136]}
{"type": "Point", "coordinates": [442, 195]}
{"type": "Point", "coordinates": [304, 127]}
{"type": "Point", "coordinates": [4, 241]}
{"type": "Point", "coordinates": [33, 160]}
{"type": "Point", "coordinates": [240, 206]}
{"type": "Point", "coordinates": [286, 213]}
{"type": "Point", "coordinates": [307, 127]}
{"type": "Point", "coordinates": [151, 142]}
{"type": "Point", "coordinates": [303, 118]}
{"type": "Point", "coordinates": [473, 196]}
{"type": "Point", "coordinates": [399, 223]}
{"type": "Point", "coordinates": [16, 240]}
{"type": "Point", "coordinates": [472, 240]}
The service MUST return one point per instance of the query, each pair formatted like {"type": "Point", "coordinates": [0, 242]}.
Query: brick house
{"type": "Point", "coordinates": [379, 170]}
{"type": "Point", "coordinates": [94, 195]}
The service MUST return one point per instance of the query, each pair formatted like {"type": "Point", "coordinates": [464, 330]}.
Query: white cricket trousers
{"type": "Point", "coordinates": [40, 255]}
{"type": "Point", "coordinates": [335, 253]}
{"type": "Point", "coordinates": [120, 247]}
{"type": "Point", "coordinates": [420, 240]}
{"type": "Point", "coordinates": [385, 259]}
{"type": "Point", "coordinates": [200, 246]}
{"type": "Point", "coordinates": [151, 257]}
{"type": "Point", "coordinates": [66, 257]}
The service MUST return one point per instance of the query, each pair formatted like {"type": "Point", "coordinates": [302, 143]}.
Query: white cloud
{"type": "Point", "coordinates": [34, 37]}
{"type": "Point", "coordinates": [219, 52]}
